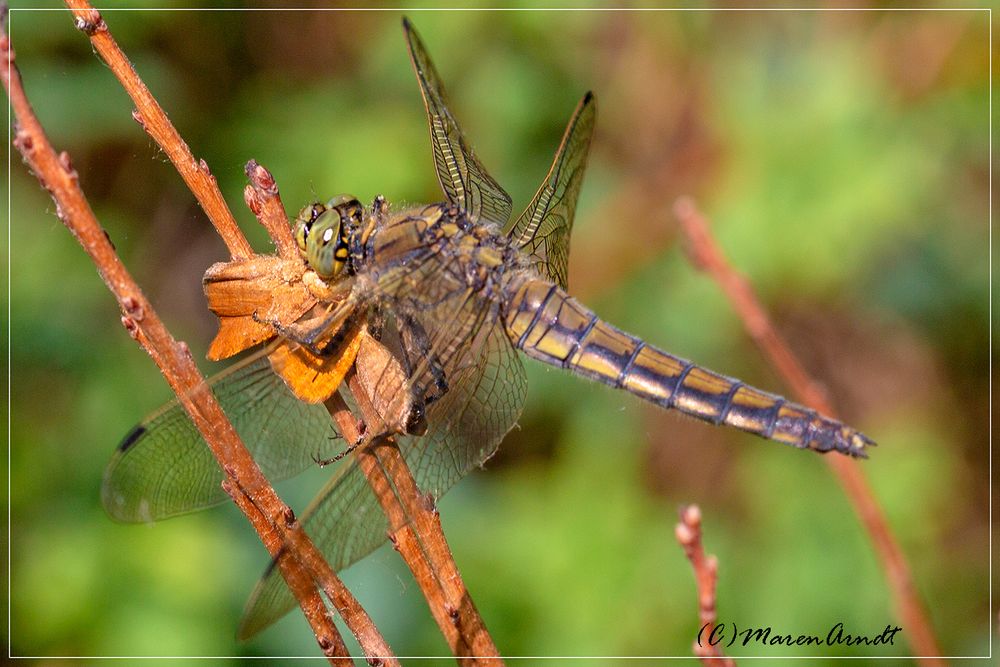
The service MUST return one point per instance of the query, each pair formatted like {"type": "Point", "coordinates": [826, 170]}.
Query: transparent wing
{"type": "Point", "coordinates": [543, 229]}
{"type": "Point", "coordinates": [163, 467]}
{"type": "Point", "coordinates": [486, 390]}
{"type": "Point", "coordinates": [469, 422]}
{"type": "Point", "coordinates": [465, 181]}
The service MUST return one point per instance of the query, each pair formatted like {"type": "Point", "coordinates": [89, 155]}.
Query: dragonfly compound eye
{"type": "Point", "coordinates": [304, 222]}
{"type": "Point", "coordinates": [351, 212]}
{"type": "Point", "coordinates": [323, 244]}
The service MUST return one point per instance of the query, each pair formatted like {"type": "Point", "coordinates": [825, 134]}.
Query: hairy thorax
{"type": "Point", "coordinates": [438, 242]}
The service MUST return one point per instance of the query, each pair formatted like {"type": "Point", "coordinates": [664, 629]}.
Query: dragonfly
{"type": "Point", "coordinates": [430, 305]}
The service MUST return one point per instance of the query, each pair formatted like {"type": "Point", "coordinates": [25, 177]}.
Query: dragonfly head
{"type": "Point", "coordinates": [322, 232]}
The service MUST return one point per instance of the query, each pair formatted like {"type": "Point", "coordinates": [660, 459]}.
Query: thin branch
{"type": "Point", "coordinates": [426, 522]}
{"type": "Point", "coordinates": [415, 531]}
{"type": "Point", "coordinates": [262, 197]}
{"type": "Point", "coordinates": [299, 580]}
{"type": "Point", "coordinates": [297, 549]}
{"type": "Point", "coordinates": [706, 573]}
{"type": "Point", "coordinates": [154, 121]}
{"type": "Point", "coordinates": [708, 256]}
{"type": "Point", "coordinates": [256, 498]}
{"type": "Point", "coordinates": [56, 174]}
{"type": "Point", "coordinates": [292, 550]}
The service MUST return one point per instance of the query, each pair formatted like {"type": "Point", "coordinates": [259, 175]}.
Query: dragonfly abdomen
{"type": "Point", "coordinates": [551, 326]}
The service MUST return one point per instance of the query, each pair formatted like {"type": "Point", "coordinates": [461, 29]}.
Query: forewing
{"type": "Point", "coordinates": [465, 181]}
{"type": "Point", "coordinates": [163, 467]}
{"type": "Point", "coordinates": [487, 386]}
{"type": "Point", "coordinates": [543, 229]}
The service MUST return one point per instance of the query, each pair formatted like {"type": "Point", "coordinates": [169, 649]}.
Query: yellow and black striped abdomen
{"type": "Point", "coordinates": [551, 326]}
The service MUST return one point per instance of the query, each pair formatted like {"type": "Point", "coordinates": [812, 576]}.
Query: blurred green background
{"type": "Point", "coordinates": [843, 158]}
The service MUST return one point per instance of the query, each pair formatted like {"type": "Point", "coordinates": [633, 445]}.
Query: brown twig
{"type": "Point", "coordinates": [56, 174]}
{"type": "Point", "coordinates": [244, 480]}
{"type": "Point", "coordinates": [298, 544]}
{"type": "Point", "coordinates": [456, 606]}
{"type": "Point", "coordinates": [706, 572]}
{"type": "Point", "coordinates": [262, 197]}
{"type": "Point", "coordinates": [154, 121]}
{"type": "Point", "coordinates": [415, 531]}
{"type": "Point", "coordinates": [332, 644]}
{"type": "Point", "coordinates": [302, 564]}
{"type": "Point", "coordinates": [707, 255]}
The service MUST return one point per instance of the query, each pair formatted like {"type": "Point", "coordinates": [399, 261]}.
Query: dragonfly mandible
{"type": "Point", "coordinates": [430, 305]}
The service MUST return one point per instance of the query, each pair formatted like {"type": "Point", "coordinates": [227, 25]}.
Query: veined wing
{"type": "Point", "coordinates": [465, 427]}
{"type": "Point", "coordinates": [543, 229]}
{"type": "Point", "coordinates": [163, 467]}
{"type": "Point", "coordinates": [465, 181]}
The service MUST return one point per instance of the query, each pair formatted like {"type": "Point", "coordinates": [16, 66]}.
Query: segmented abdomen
{"type": "Point", "coordinates": [551, 326]}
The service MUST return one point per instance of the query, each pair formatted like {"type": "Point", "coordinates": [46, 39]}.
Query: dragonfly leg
{"type": "Point", "coordinates": [374, 220]}
{"type": "Point", "coordinates": [293, 332]}
{"type": "Point", "coordinates": [362, 429]}
{"type": "Point", "coordinates": [322, 336]}
{"type": "Point", "coordinates": [322, 463]}
{"type": "Point", "coordinates": [416, 346]}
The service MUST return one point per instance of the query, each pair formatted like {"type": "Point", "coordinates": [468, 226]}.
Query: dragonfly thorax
{"type": "Point", "coordinates": [322, 232]}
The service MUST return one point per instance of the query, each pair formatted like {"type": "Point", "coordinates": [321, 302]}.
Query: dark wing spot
{"type": "Point", "coordinates": [132, 437]}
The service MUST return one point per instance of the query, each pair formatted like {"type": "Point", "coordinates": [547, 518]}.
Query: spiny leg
{"type": "Point", "coordinates": [310, 333]}
{"type": "Point", "coordinates": [416, 345]}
